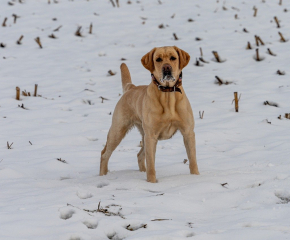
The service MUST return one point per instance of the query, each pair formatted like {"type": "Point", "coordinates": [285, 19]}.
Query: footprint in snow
{"type": "Point", "coordinates": [190, 235]}
{"type": "Point", "coordinates": [92, 139]}
{"type": "Point", "coordinates": [283, 195]}
{"type": "Point", "coordinates": [66, 213]}
{"type": "Point", "coordinates": [254, 185]}
{"type": "Point", "coordinates": [75, 237]}
{"type": "Point", "coordinates": [114, 236]}
{"type": "Point", "coordinates": [91, 223]}
{"type": "Point", "coordinates": [84, 194]}
{"type": "Point", "coordinates": [102, 184]}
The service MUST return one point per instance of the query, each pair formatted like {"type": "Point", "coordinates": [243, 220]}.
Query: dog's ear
{"type": "Point", "coordinates": [183, 57]}
{"type": "Point", "coordinates": [147, 60]}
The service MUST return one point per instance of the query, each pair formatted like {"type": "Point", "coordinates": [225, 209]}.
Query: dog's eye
{"type": "Point", "coordinates": [172, 58]}
{"type": "Point", "coordinates": [158, 60]}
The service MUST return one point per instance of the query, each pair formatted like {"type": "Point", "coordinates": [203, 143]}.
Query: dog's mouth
{"type": "Point", "coordinates": [167, 74]}
{"type": "Point", "coordinates": [167, 78]}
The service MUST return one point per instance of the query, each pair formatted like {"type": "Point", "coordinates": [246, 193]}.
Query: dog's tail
{"type": "Point", "coordinates": [126, 77]}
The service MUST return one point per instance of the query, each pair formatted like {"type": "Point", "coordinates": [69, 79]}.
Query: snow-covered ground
{"type": "Point", "coordinates": [244, 187]}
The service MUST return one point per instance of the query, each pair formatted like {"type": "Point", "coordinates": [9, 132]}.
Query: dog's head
{"type": "Point", "coordinates": [166, 63]}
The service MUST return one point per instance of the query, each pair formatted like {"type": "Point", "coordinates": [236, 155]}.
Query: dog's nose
{"type": "Point", "coordinates": [166, 68]}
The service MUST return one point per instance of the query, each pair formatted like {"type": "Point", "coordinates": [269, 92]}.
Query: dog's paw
{"type": "Point", "coordinates": [142, 169]}
{"type": "Point", "coordinates": [152, 180]}
{"type": "Point", "coordinates": [194, 171]}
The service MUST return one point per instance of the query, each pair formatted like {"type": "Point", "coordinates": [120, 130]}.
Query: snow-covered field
{"type": "Point", "coordinates": [243, 191]}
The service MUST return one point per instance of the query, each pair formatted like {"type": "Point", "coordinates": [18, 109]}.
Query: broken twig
{"type": "Point", "coordinates": [9, 146]}
{"type": "Point", "coordinates": [37, 40]}
{"type": "Point", "coordinates": [201, 114]}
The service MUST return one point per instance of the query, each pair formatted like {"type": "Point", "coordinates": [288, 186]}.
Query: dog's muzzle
{"type": "Point", "coordinates": [167, 73]}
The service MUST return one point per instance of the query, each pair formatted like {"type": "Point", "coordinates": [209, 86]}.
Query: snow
{"type": "Point", "coordinates": [243, 191]}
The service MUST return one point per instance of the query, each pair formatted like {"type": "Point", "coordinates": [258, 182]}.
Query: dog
{"type": "Point", "coordinates": [158, 110]}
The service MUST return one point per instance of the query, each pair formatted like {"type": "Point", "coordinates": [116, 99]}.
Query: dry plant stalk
{"type": "Point", "coordinates": [15, 17]}
{"type": "Point", "coordinates": [280, 3]}
{"type": "Point", "coordinates": [112, 3]}
{"type": "Point", "coordinates": [202, 60]}
{"type": "Point", "coordinates": [19, 40]}
{"type": "Point", "coordinates": [257, 41]}
{"type": "Point", "coordinates": [280, 72]}
{"type": "Point", "coordinates": [9, 145]}
{"type": "Point", "coordinates": [277, 22]}
{"type": "Point", "coordinates": [161, 26]}
{"type": "Point", "coordinates": [55, 30]}
{"type": "Point", "coordinates": [4, 22]}
{"type": "Point", "coordinates": [224, 185]}
{"type": "Point", "coordinates": [102, 210]}
{"type": "Point", "coordinates": [37, 40]}
{"type": "Point", "coordinates": [35, 90]}
{"type": "Point", "coordinates": [282, 38]}
{"type": "Point", "coordinates": [24, 93]}
{"type": "Point", "coordinates": [273, 104]}
{"type": "Point", "coordinates": [61, 160]}
{"type": "Point", "coordinates": [260, 40]}
{"type": "Point", "coordinates": [220, 81]}
{"type": "Point", "coordinates": [103, 99]}
{"type": "Point", "coordinates": [201, 54]}
{"type": "Point", "coordinates": [117, 2]}
{"type": "Point", "coordinates": [216, 55]}
{"type": "Point", "coordinates": [52, 36]}
{"type": "Point", "coordinates": [236, 101]}
{"type": "Point", "coordinates": [271, 53]}
{"type": "Point", "coordinates": [287, 115]}
{"type": "Point", "coordinates": [175, 36]}
{"type": "Point", "coordinates": [201, 114]}
{"type": "Point", "coordinates": [257, 55]}
{"type": "Point", "coordinates": [78, 32]}
{"type": "Point", "coordinates": [132, 229]}
{"type": "Point", "coordinates": [91, 28]}
{"type": "Point", "coordinates": [22, 106]}
{"type": "Point", "coordinates": [255, 11]}
{"type": "Point", "coordinates": [236, 16]}
{"type": "Point", "coordinates": [111, 73]}
{"type": "Point", "coordinates": [245, 30]}
{"type": "Point", "coordinates": [249, 46]}
{"type": "Point", "coordinates": [160, 219]}
{"type": "Point", "coordinates": [17, 93]}
{"type": "Point", "coordinates": [197, 63]}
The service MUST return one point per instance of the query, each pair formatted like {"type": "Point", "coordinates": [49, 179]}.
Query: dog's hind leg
{"type": "Point", "coordinates": [141, 154]}
{"type": "Point", "coordinates": [141, 157]}
{"type": "Point", "coordinates": [116, 133]}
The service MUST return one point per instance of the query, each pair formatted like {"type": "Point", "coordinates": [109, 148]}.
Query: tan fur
{"type": "Point", "coordinates": [156, 114]}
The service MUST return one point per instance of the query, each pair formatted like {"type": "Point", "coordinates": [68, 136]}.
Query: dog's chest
{"type": "Point", "coordinates": [167, 130]}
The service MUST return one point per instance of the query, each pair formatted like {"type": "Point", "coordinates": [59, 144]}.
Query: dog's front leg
{"type": "Point", "coordinates": [150, 150]}
{"type": "Point", "coordinates": [189, 142]}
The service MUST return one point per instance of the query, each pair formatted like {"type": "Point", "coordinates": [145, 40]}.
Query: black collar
{"type": "Point", "coordinates": [175, 88]}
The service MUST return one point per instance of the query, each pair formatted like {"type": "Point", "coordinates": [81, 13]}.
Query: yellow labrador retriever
{"type": "Point", "coordinates": [157, 110]}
